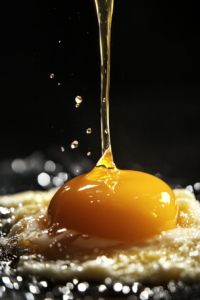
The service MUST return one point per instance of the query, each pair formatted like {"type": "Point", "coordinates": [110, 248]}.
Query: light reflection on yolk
{"type": "Point", "coordinates": [114, 204]}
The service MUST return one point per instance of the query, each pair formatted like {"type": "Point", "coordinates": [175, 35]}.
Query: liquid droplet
{"type": "Point", "coordinates": [62, 149]}
{"type": "Point", "coordinates": [89, 130]}
{"type": "Point", "coordinates": [78, 99]}
{"type": "Point", "coordinates": [89, 153]}
{"type": "Point", "coordinates": [58, 83]}
{"type": "Point", "coordinates": [104, 99]}
{"type": "Point", "coordinates": [52, 76]}
{"type": "Point", "coordinates": [74, 144]}
{"type": "Point", "coordinates": [77, 105]}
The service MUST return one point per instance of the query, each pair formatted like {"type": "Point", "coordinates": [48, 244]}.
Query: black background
{"type": "Point", "coordinates": [154, 96]}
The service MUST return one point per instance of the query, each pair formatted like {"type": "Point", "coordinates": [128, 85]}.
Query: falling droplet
{"type": "Point", "coordinates": [89, 153]}
{"type": "Point", "coordinates": [106, 131]}
{"type": "Point", "coordinates": [58, 83]}
{"type": "Point", "coordinates": [52, 76]}
{"type": "Point", "coordinates": [78, 99]}
{"type": "Point", "coordinates": [74, 144]}
{"type": "Point", "coordinates": [62, 149]}
{"type": "Point", "coordinates": [104, 99]}
{"type": "Point", "coordinates": [89, 130]}
{"type": "Point", "coordinates": [77, 105]}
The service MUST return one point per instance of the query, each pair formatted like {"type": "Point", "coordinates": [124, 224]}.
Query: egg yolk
{"type": "Point", "coordinates": [114, 204]}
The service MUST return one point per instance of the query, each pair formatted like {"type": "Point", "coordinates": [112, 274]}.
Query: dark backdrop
{"type": "Point", "coordinates": [154, 97]}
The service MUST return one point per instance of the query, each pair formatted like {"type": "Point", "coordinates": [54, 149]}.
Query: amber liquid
{"type": "Point", "coordinates": [104, 13]}
{"type": "Point", "coordinates": [107, 202]}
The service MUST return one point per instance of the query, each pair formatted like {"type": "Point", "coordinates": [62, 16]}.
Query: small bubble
{"type": "Point", "coordinates": [19, 278]}
{"type": "Point", "coordinates": [197, 186]}
{"type": "Point", "coordinates": [75, 281]}
{"type": "Point", "coordinates": [43, 179]}
{"type": "Point", "coordinates": [144, 295]}
{"type": "Point", "coordinates": [51, 75]}
{"type": "Point", "coordinates": [117, 287]}
{"type": "Point", "coordinates": [77, 105]}
{"type": "Point", "coordinates": [89, 153]}
{"type": "Point", "coordinates": [63, 176]}
{"type": "Point", "coordinates": [89, 130]}
{"type": "Point", "coordinates": [82, 287]}
{"type": "Point", "coordinates": [62, 149]}
{"type": "Point", "coordinates": [57, 181]}
{"type": "Point", "coordinates": [106, 131]}
{"type": "Point", "coordinates": [34, 289]}
{"type": "Point", "coordinates": [189, 188]}
{"type": "Point", "coordinates": [78, 99]}
{"type": "Point", "coordinates": [49, 166]}
{"type": "Point", "coordinates": [108, 280]}
{"type": "Point", "coordinates": [74, 144]}
{"type": "Point", "coordinates": [5, 279]}
{"type": "Point", "coordinates": [70, 285]}
{"type": "Point", "coordinates": [59, 42]}
{"type": "Point", "coordinates": [16, 285]}
{"type": "Point", "coordinates": [58, 83]}
{"type": "Point", "coordinates": [44, 283]}
{"type": "Point", "coordinates": [104, 99]}
{"type": "Point", "coordinates": [102, 288]}
{"type": "Point", "coordinates": [126, 289]}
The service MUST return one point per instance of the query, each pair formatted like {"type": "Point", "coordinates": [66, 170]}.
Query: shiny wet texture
{"type": "Point", "coordinates": [113, 204]}
{"type": "Point", "coordinates": [172, 254]}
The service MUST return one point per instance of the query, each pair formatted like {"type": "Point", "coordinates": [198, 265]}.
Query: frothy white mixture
{"type": "Point", "coordinates": [175, 254]}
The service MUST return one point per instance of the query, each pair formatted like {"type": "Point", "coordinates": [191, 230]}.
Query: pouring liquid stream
{"type": "Point", "coordinates": [104, 10]}
{"type": "Point", "coordinates": [108, 204]}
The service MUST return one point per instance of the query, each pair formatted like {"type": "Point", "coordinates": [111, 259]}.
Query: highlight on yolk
{"type": "Point", "coordinates": [114, 204]}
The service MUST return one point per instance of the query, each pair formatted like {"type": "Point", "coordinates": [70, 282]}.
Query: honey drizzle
{"type": "Point", "coordinates": [104, 10]}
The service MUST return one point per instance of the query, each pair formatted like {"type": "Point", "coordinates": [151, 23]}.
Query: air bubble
{"type": "Point", "coordinates": [58, 83]}
{"type": "Point", "coordinates": [82, 287]}
{"type": "Point", "coordinates": [126, 289]}
{"type": "Point", "coordinates": [144, 295]}
{"type": "Point", "coordinates": [89, 153]}
{"type": "Point", "coordinates": [57, 181]}
{"type": "Point", "coordinates": [77, 105]}
{"type": "Point", "coordinates": [74, 144]}
{"type": "Point", "coordinates": [89, 130]}
{"type": "Point", "coordinates": [43, 179]}
{"type": "Point", "coordinates": [75, 281]}
{"type": "Point", "coordinates": [51, 75]}
{"type": "Point", "coordinates": [78, 99]}
{"type": "Point", "coordinates": [108, 280]}
{"type": "Point", "coordinates": [102, 288]}
{"type": "Point", "coordinates": [106, 131]}
{"type": "Point", "coordinates": [19, 279]}
{"type": "Point", "coordinates": [49, 166]}
{"type": "Point", "coordinates": [59, 42]}
{"type": "Point", "coordinates": [104, 99]}
{"type": "Point", "coordinates": [62, 149]}
{"type": "Point", "coordinates": [197, 186]}
{"type": "Point", "coordinates": [117, 287]}
{"type": "Point", "coordinates": [44, 283]}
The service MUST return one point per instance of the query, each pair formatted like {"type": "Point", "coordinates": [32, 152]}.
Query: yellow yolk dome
{"type": "Point", "coordinates": [114, 204]}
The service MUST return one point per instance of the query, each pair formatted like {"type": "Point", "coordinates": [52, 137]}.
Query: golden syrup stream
{"type": "Point", "coordinates": [104, 13]}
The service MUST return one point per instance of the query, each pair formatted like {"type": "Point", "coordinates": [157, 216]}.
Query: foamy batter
{"type": "Point", "coordinates": [172, 255]}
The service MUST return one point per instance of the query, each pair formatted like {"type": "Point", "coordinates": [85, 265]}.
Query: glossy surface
{"type": "Point", "coordinates": [114, 204]}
